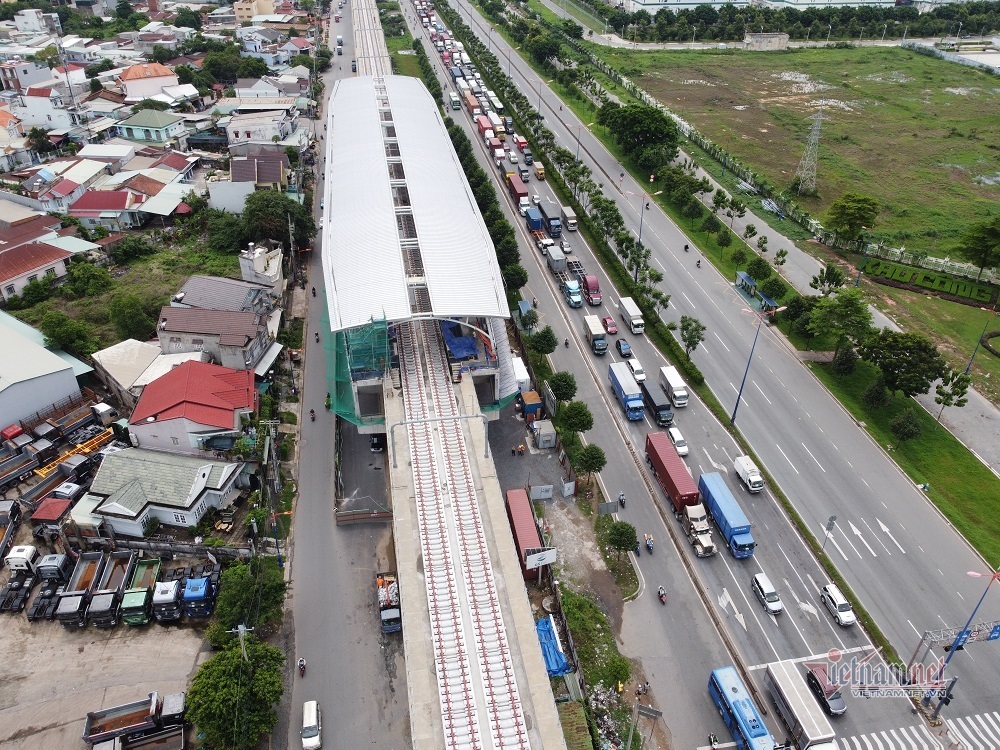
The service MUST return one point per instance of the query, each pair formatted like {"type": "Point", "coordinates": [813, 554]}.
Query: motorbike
{"type": "Point", "coordinates": [698, 264]}
{"type": "Point", "coordinates": [314, 291]}
{"type": "Point", "coordinates": [647, 206]}
{"type": "Point", "coordinates": [534, 301]}
{"type": "Point", "coordinates": [686, 248]}
{"type": "Point", "coordinates": [566, 343]}
{"type": "Point", "coordinates": [312, 415]}
{"type": "Point", "coordinates": [713, 740]}
{"type": "Point", "coordinates": [663, 600]}
{"type": "Point", "coordinates": [328, 402]}
{"type": "Point", "coordinates": [317, 337]}
{"type": "Point", "coordinates": [302, 667]}
{"type": "Point", "coordinates": [649, 543]}
{"type": "Point", "coordinates": [621, 499]}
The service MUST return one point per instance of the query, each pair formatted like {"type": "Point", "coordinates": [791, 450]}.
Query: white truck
{"type": "Point", "coordinates": [749, 474]}
{"type": "Point", "coordinates": [631, 315]}
{"type": "Point", "coordinates": [569, 218]}
{"type": "Point", "coordinates": [596, 336]}
{"type": "Point", "coordinates": [806, 722]}
{"type": "Point", "coordinates": [673, 385]}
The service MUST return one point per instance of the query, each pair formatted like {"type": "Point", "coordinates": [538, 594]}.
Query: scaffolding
{"type": "Point", "coordinates": [362, 353]}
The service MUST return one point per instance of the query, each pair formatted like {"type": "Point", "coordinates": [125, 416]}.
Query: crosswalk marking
{"type": "Point", "coordinates": [978, 732]}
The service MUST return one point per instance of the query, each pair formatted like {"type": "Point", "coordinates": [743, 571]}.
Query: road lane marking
{"type": "Point", "coordinates": [848, 540]}
{"type": "Point", "coordinates": [879, 540]}
{"type": "Point", "coordinates": [860, 535]}
{"type": "Point", "coordinates": [786, 458]}
{"type": "Point", "coordinates": [724, 345]}
{"type": "Point", "coordinates": [761, 392]}
{"type": "Point", "coordinates": [813, 458]}
{"type": "Point", "coordinates": [885, 530]}
{"type": "Point", "coordinates": [689, 301]}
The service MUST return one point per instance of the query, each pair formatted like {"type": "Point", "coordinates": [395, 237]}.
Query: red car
{"type": "Point", "coordinates": [609, 324]}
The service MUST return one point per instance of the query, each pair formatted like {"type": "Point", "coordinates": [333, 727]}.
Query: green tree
{"type": "Point", "coordinates": [87, 280]}
{"type": "Point", "coordinates": [711, 224]}
{"type": "Point", "coordinates": [251, 67]}
{"type": "Point", "coordinates": [225, 230]}
{"type": "Point", "coordinates": [692, 334]}
{"type": "Point", "coordinates": [563, 385]}
{"type": "Point", "coordinates": [129, 317]}
{"type": "Point", "coordinates": [774, 288]}
{"type": "Point", "coordinates": [952, 391]}
{"type": "Point", "coordinates": [37, 290]}
{"type": "Point", "coordinates": [736, 209]}
{"type": "Point", "coordinates": [161, 54]}
{"type": "Point", "coordinates": [637, 127]}
{"type": "Point", "coordinates": [252, 594]}
{"type": "Point", "coordinates": [876, 395]}
{"type": "Point", "coordinates": [188, 18]}
{"type": "Point", "coordinates": [529, 320]}
{"type": "Point", "coordinates": [909, 361]}
{"type": "Point", "coordinates": [576, 417]}
{"type": "Point", "coordinates": [980, 244]}
{"type": "Point", "coordinates": [694, 210]}
{"type": "Point", "coordinates": [544, 342]}
{"type": "Point", "coordinates": [223, 66]}
{"type": "Point", "coordinates": [63, 332]}
{"type": "Point", "coordinates": [762, 244]}
{"type": "Point", "coordinates": [514, 276]}
{"type": "Point", "coordinates": [265, 217]}
{"type": "Point", "coordinates": [844, 314]}
{"type": "Point", "coordinates": [622, 537]}
{"type": "Point", "coordinates": [830, 278]}
{"type": "Point", "coordinates": [780, 258]}
{"type": "Point", "coordinates": [130, 248]}
{"type": "Point", "coordinates": [724, 238]}
{"type": "Point", "coordinates": [749, 232]}
{"type": "Point", "coordinates": [851, 213]}
{"type": "Point", "coordinates": [39, 141]}
{"type": "Point", "coordinates": [759, 270]}
{"type": "Point", "coordinates": [845, 361]}
{"type": "Point", "coordinates": [233, 701]}
{"type": "Point", "coordinates": [123, 10]}
{"type": "Point", "coordinates": [591, 459]}
{"type": "Point", "coordinates": [153, 104]}
{"type": "Point", "coordinates": [906, 425]}
{"type": "Point", "coordinates": [719, 201]}
{"type": "Point", "coordinates": [738, 257]}
{"type": "Point", "coordinates": [95, 86]}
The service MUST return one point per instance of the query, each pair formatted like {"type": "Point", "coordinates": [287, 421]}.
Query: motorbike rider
{"type": "Point", "coordinates": [621, 499]}
{"type": "Point", "coordinates": [302, 664]}
{"type": "Point", "coordinates": [698, 264]}
{"type": "Point", "coordinates": [314, 291]}
{"type": "Point", "coordinates": [662, 593]}
{"type": "Point", "coordinates": [312, 414]}
{"type": "Point", "coordinates": [566, 343]}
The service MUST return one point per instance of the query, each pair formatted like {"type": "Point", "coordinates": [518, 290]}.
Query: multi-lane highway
{"type": "Point", "coordinates": [904, 561]}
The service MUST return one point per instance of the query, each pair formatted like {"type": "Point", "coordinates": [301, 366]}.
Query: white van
{"type": "Point", "coordinates": [637, 372]}
{"type": "Point", "coordinates": [312, 726]}
{"type": "Point", "coordinates": [748, 473]}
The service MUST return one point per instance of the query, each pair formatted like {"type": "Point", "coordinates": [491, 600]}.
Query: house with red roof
{"type": "Point", "coordinates": [21, 265]}
{"type": "Point", "coordinates": [114, 210]}
{"type": "Point", "coordinates": [145, 80]}
{"type": "Point", "coordinates": [196, 407]}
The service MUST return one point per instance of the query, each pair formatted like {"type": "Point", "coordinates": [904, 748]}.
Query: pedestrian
{"type": "Point", "coordinates": [513, 450]}
{"type": "Point", "coordinates": [521, 449]}
{"type": "Point", "coordinates": [646, 688]}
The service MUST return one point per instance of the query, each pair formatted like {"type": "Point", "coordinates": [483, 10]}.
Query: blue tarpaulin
{"type": "Point", "coordinates": [460, 347]}
{"type": "Point", "coordinates": [555, 660]}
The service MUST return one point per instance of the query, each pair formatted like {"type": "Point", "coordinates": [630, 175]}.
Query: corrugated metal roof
{"type": "Point", "coordinates": [363, 259]}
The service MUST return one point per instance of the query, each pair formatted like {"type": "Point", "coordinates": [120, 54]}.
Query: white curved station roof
{"type": "Point", "coordinates": [400, 224]}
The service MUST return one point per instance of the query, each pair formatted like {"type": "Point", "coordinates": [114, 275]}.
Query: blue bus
{"type": "Point", "coordinates": [737, 709]}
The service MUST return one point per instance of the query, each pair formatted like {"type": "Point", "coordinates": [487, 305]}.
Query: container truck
{"type": "Point", "coordinates": [550, 212]}
{"type": "Point", "coordinates": [483, 123]}
{"type": "Point", "coordinates": [673, 385]}
{"type": "Point", "coordinates": [135, 719]}
{"type": "Point", "coordinates": [626, 390]}
{"type": "Point", "coordinates": [105, 603]}
{"type": "Point", "coordinates": [472, 105]}
{"type": "Point", "coordinates": [657, 403]}
{"type": "Point", "coordinates": [595, 335]}
{"type": "Point", "coordinates": [518, 193]}
{"type": "Point", "coordinates": [387, 598]}
{"type": "Point", "coordinates": [749, 474]}
{"type": "Point", "coordinates": [199, 597]}
{"type": "Point", "coordinates": [588, 282]}
{"type": "Point", "coordinates": [727, 514]}
{"type": "Point", "coordinates": [672, 475]}
{"type": "Point", "coordinates": [569, 218]}
{"type": "Point", "coordinates": [497, 124]}
{"type": "Point", "coordinates": [167, 601]}
{"type": "Point", "coordinates": [521, 142]}
{"type": "Point", "coordinates": [73, 602]}
{"type": "Point", "coordinates": [137, 601]}
{"type": "Point", "coordinates": [806, 722]}
{"type": "Point", "coordinates": [533, 219]}
{"type": "Point", "coordinates": [568, 285]}
{"type": "Point", "coordinates": [631, 315]}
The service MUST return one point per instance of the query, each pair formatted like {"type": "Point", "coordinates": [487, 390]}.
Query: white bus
{"type": "Point", "coordinates": [496, 103]}
{"type": "Point", "coordinates": [456, 103]}
{"type": "Point", "coordinates": [497, 124]}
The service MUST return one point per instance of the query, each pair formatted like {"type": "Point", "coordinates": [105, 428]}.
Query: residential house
{"type": "Point", "coordinates": [261, 127]}
{"type": "Point", "coordinates": [33, 21]}
{"type": "Point", "coordinates": [115, 210]}
{"type": "Point", "coordinates": [135, 486]}
{"type": "Point", "coordinates": [144, 81]}
{"type": "Point", "coordinates": [15, 148]}
{"type": "Point", "coordinates": [22, 265]}
{"type": "Point", "coordinates": [224, 16]}
{"type": "Point", "coordinates": [260, 34]}
{"type": "Point", "coordinates": [115, 155]}
{"type": "Point", "coordinates": [271, 54]}
{"type": "Point", "coordinates": [33, 378]}
{"type": "Point", "coordinates": [194, 408]}
{"type": "Point", "coordinates": [267, 171]}
{"type": "Point", "coordinates": [152, 126]}
{"type": "Point", "coordinates": [73, 75]}
{"type": "Point", "coordinates": [17, 74]}
{"type": "Point", "coordinates": [55, 185]}
{"type": "Point", "coordinates": [46, 107]}
{"type": "Point", "coordinates": [246, 9]}
{"type": "Point", "coordinates": [239, 340]}
{"type": "Point", "coordinates": [145, 43]}
{"type": "Point", "coordinates": [297, 45]}
{"type": "Point", "coordinates": [220, 293]}
{"type": "Point", "coordinates": [127, 367]}
{"type": "Point", "coordinates": [262, 265]}
{"type": "Point", "coordinates": [256, 88]}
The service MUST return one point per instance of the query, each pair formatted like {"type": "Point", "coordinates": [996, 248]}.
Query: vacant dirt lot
{"type": "Point", "coordinates": [50, 677]}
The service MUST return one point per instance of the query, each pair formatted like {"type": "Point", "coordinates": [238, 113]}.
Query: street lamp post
{"type": "Point", "coordinates": [864, 256]}
{"type": "Point", "coordinates": [980, 339]}
{"type": "Point", "coordinates": [963, 634]}
{"type": "Point", "coordinates": [739, 395]}
{"type": "Point", "coordinates": [642, 215]}
{"type": "Point", "coordinates": [578, 129]}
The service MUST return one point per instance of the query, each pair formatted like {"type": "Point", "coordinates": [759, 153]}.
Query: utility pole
{"type": "Point", "coordinates": [806, 172]}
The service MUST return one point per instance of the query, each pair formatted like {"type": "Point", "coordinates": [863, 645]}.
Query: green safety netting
{"type": "Point", "coordinates": [358, 353]}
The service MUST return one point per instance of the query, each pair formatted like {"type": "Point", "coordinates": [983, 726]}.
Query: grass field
{"type": "Point", "coordinates": [919, 134]}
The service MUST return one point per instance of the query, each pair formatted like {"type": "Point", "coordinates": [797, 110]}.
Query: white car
{"type": "Point", "coordinates": [536, 199]}
{"type": "Point", "coordinates": [678, 440]}
{"type": "Point", "coordinates": [513, 157]}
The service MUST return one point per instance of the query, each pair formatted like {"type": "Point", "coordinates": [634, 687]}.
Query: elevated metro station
{"type": "Point", "coordinates": [416, 346]}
